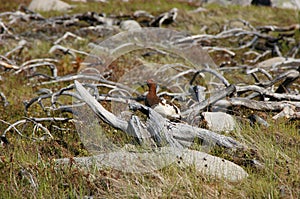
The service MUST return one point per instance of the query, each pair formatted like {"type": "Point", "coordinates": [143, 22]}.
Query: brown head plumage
{"type": "Point", "coordinates": [151, 98]}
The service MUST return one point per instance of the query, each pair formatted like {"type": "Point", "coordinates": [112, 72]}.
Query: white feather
{"type": "Point", "coordinates": [167, 110]}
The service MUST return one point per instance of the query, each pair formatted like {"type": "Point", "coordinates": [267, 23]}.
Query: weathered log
{"type": "Point", "coordinates": [160, 129]}
{"type": "Point", "coordinates": [263, 71]}
{"type": "Point", "coordinates": [262, 106]}
{"type": "Point", "coordinates": [278, 62]}
{"type": "Point", "coordinates": [66, 35]}
{"type": "Point", "coordinates": [255, 119]}
{"type": "Point", "coordinates": [258, 56]}
{"type": "Point", "coordinates": [211, 100]}
{"type": "Point", "coordinates": [8, 66]}
{"type": "Point", "coordinates": [208, 165]}
{"type": "Point", "coordinates": [290, 78]}
{"type": "Point", "coordinates": [267, 93]}
{"type": "Point", "coordinates": [18, 48]}
{"type": "Point", "coordinates": [37, 126]}
{"type": "Point", "coordinates": [287, 112]}
{"type": "Point", "coordinates": [66, 50]}
{"type": "Point", "coordinates": [277, 28]}
{"type": "Point", "coordinates": [213, 72]}
{"type": "Point", "coordinates": [98, 109]}
{"type": "Point", "coordinates": [52, 67]}
{"type": "Point", "coordinates": [6, 30]}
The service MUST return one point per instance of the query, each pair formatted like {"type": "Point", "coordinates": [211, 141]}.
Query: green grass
{"type": "Point", "coordinates": [277, 147]}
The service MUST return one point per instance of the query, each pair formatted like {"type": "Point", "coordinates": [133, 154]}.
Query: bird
{"type": "Point", "coordinates": [160, 105]}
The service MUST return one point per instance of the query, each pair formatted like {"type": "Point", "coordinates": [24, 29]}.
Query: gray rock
{"type": "Point", "coordinates": [47, 5]}
{"type": "Point", "coordinates": [219, 121]}
{"type": "Point", "coordinates": [130, 25]}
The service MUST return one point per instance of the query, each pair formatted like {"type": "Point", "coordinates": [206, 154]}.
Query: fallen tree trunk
{"type": "Point", "coordinates": [162, 130]}
{"type": "Point", "coordinates": [172, 139]}
{"type": "Point", "coordinates": [262, 105]}
{"type": "Point", "coordinates": [149, 162]}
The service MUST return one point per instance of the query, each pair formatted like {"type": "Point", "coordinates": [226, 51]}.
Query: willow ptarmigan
{"type": "Point", "coordinates": [160, 105]}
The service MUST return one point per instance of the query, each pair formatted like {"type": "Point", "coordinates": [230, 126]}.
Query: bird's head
{"type": "Point", "coordinates": [152, 85]}
{"type": "Point", "coordinates": [150, 82]}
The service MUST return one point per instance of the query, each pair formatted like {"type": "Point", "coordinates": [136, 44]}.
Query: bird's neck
{"type": "Point", "coordinates": [152, 98]}
{"type": "Point", "coordinates": [152, 90]}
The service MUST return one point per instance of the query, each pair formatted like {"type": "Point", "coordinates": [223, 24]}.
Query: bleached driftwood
{"type": "Point", "coordinates": [288, 76]}
{"type": "Point", "coordinates": [261, 105]}
{"type": "Point", "coordinates": [209, 165]}
{"type": "Point", "coordinates": [66, 35]}
{"type": "Point", "coordinates": [176, 136]}
{"type": "Point", "coordinates": [211, 100]}
{"type": "Point", "coordinates": [37, 126]}
{"type": "Point", "coordinates": [65, 50]}
{"type": "Point", "coordinates": [267, 93]}
{"type": "Point", "coordinates": [8, 65]}
{"type": "Point", "coordinates": [161, 129]}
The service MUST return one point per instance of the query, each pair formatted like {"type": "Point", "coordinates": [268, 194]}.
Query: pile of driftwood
{"type": "Point", "coordinates": [275, 88]}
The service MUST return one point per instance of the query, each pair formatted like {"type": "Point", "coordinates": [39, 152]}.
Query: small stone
{"type": "Point", "coordinates": [47, 5]}
{"type": "Point", "coordinates": [130, 25]}
{"type": "Point", "coordinates": [219, 121]}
